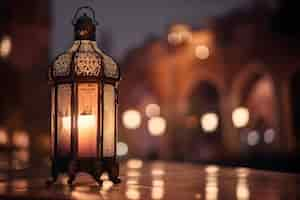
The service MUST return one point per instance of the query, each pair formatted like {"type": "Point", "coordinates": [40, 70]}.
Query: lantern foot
{"type": "Point", "coordinates": [114, 173]}
{"type": "Point", "coordinates": [72, 172]}
{"type": "Point", "coordinates": [54, 176]}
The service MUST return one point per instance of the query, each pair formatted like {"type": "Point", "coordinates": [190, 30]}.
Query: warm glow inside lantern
{"type": "Point", "coordinates": [84, 103]}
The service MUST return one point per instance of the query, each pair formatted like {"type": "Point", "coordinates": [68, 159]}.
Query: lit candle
{"type": "Point", "coordinates": [87, 120]}
{"type": "Point", "coordinates": [64, 137]}
{"type": "Point", "coordinates": [87, 142]}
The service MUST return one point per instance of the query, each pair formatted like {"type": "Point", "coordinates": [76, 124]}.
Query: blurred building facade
{"type": "Point", "coordinates": [248, 59]}
{"type": "Point", "coordinates": [24, 104]}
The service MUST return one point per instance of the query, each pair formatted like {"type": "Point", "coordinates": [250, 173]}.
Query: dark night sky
{"type": "Point", "coordinates": [130, 21]}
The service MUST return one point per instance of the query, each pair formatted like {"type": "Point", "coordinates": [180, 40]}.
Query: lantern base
{"type": "Point", "coordinates": [91, 166]}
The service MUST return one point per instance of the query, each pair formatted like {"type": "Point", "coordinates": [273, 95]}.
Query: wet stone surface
{"type": "Point", "coordinates": [156, 180]}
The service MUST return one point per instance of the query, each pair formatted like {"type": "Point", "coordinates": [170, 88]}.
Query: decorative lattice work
{"type": "Point", "coordinates": [87, 64]}
{"type": "Point", "coordinates": [110, 67]}
{"type": "Point", "coordinates": [87, 61]}
{"type": "Point", "coordinates": [62, 65]}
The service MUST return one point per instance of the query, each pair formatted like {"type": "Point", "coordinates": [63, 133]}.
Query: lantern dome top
{"type": "Point", "coordinates": [84, 59]}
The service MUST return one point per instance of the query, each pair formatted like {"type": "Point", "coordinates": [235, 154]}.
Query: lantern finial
{"type": "Point", "coordinates": [84, 26]}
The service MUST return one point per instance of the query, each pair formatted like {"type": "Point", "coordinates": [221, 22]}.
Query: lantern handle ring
{"type": "Point", "coordinates": [82, 8]}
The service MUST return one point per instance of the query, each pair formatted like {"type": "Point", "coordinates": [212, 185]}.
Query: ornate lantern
{"type": "Point", "coordinates": [84, 106]}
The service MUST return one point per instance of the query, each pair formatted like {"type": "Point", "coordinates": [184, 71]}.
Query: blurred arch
{"type": "Point", "coordinates": [255, 89]}
{"type": "Point", "coordinates": [203, 98]}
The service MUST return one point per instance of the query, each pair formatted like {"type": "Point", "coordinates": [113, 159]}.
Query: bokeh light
{"type": "Point", "coordinates": [240, 117]}
{"type": "Point", "coordinates": [242, 188]}
{"type": "Point", "coordinates": [179, 34]}
{"type": "Point", "coordinates": [211, 182]}
{"type": "Point", "coordinates": [202, 52]}
{"type": "Point", "coordinates": [212, 169]}
{"type": "Point", "coordinates": [132, 193]}
{"type": "Point", "coordinates": [5, 46]}
{"type": "Point", "coordinates": [209, 122]}
{"type": "Point", "coordinates": [157, 126]}
{"type": "Point", "coordinates": [269, 136]}
{"type": "Point", "coordinates": [253, 138]}
{"type": "Point", "coordinates": [152, 110]}
{"type": "Point", "coordinates": [21, 139]}
{"type": "Point", "coordinates": [157, 193]}
{"type": "Point", "coordinates": [3, 137]}
{"type": "Point", "coordinates": [122, 149]}
{"type": "Point", "coordinates": [134, 164]}
{"type": "Point", "coordinates": [132, 119]}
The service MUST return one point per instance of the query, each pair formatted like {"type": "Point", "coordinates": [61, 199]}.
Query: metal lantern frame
{"type": "Point", "coordinates": [67, 73]}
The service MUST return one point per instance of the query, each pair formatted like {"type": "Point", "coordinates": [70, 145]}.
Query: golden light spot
{"type": "Point", "coordinates": [202, 52]}
{"type": "Point", "coordinates": [152, 110]}
{"type": "Point", "coordinates": [209, 122]}
{"type": "Point", "coordinates": [132, 119]}
{"type": "Point", "coordinates": [157, 126]}
{"type": "Point", "coordinates": [21, 139]}
{"type": "Point", "coordinates": [5, 46]}
{"type": "Point", "coordinates": [3, 137]}
{"type": "Point", "coordinates": [134, 164]}
{"type": "Point", "coordinates": [240, 117]}
{"type": "Point", "coordinates": [122, 149]}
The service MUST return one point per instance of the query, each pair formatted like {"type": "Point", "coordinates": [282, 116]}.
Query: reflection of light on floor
{"type": "Point", "coordinates": [3, 187]}
{"type": "Point", "coordinates": [157, 192]}
{"type": "Point", "coordinates": [242, 188]}
{"type": "Point", "coordinates": [21, 139]}
{"type": "Point", "coordinates": [3, 137]}
{"type": "Point", "coordinates": [132, 181]}
{"type": "Point", "coordinates": [242, 172]}
{"type": "Point", "coordinates": [82, 195]}
{"type": "Point", "coordinates": [157, 172]}
{"type": "Point", "coordinates": [134, 164]}
{"type": "Point", "coordinates": [82, 188]}
{"type": "Point", "coordinates": [157, 169]}
{"type": "Point", "coordinates": [158, 183]}
{"type": "Point", "coordinates": [211, 187]}
{"type": "Point", "coordinates": [211, 169]}
{"type": "Point", "coordinates": [133, 173]}
{"type": "Point", "coordinates": [132, 193]}
{"type": "Point", "coordinates": [107, 185]}
{"type": "Point", "coordinates": [20, 185]}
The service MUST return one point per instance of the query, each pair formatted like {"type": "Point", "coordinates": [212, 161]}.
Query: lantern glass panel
{"type": "Point", "coordinates": [87, 119]}
{"type": "Point", "coordinates": [52, 119]}
{"type": "Point", "coordinates": [109, 121]}
{"type": "Point", "coordinates": [64, 119]}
